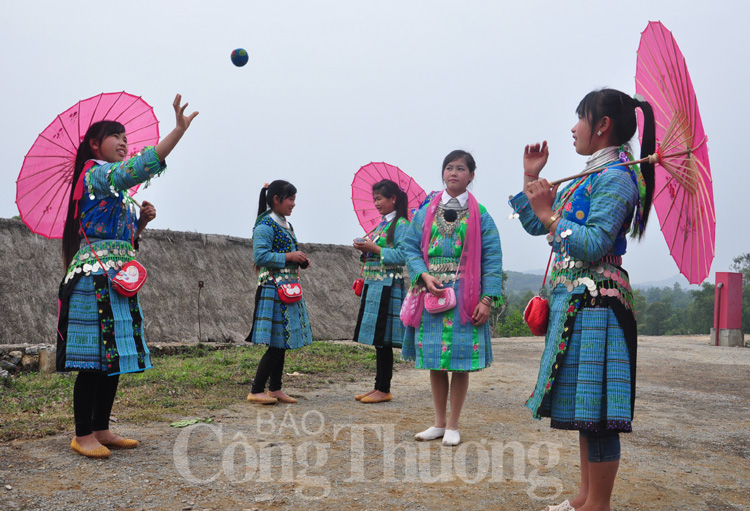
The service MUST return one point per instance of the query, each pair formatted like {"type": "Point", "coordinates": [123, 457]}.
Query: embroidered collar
{"type": "Point", "coordinates": [602, 157]}
{"type": "Point", "coordinates": [462, 199]}
{"type": "Point", "coordinates": [281, 220]}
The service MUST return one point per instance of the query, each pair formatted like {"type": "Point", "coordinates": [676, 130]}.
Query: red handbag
{"type": "Point", "coordinates": [130, 279]}
{"type": "Point", "coordinates": [536, 313]}
{"type": "Point", "coordinates": [288, 293]}
{"type": "Point", "coordinates": [358, 285]}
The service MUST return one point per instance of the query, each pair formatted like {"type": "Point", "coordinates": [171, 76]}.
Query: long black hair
{"type": "Point", "coordinates": [388, 189]}
{"type": "Point", "coordinates": [620, 108]}
{"type": "Point", "coordinates": [71, 232]}
{"type": "Point", "coordinates": [279, 188]}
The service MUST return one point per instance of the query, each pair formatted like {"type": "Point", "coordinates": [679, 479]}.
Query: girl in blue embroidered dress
{"type": "Point", "coordinates": [586, 377]}
{"type": "Point", "coordinates": [100, 332]}
{"type": "Point", "coordinates": [279, 325]}
{"type": "Point", "coordinates": [378, 322]}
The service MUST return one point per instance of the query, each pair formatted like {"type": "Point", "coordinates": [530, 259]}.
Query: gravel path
{"type": "Point", "coordinates": [690, 449]}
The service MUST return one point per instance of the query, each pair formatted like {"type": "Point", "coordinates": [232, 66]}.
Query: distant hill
{"type": "Point", "coordinates": [668, 282]}
{"type": "Point", "coordinates": [520, 282]}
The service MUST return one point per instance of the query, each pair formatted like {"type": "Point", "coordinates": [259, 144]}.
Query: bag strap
{"type": "Point", "coordinates": [270, 274]}
{"type": "Point", "coordinates": [544, 281]}
{"type": "Point", "coordinates": [94, 251]}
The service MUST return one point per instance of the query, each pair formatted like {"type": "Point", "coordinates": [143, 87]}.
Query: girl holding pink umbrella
{"type": "Point", "coordinates": [100, 331]}
{"type": "Point", "coordinates": [586, 377]}
{"type": "Point", "coordinates": [378, 322]}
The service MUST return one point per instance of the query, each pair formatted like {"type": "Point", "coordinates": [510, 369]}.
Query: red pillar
{"type": "Point", "coordinates": [728, 303]}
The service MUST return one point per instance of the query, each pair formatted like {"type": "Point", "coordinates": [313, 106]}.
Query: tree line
{"type": "Point", "coordinates": [659, 311]}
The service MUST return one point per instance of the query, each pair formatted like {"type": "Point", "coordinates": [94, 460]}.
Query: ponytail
{"type": "Point", "coordinates": [648, 147]}
{"type": "Point", "coordinates": [620, 108]}
{"type": "Point", "coordinates": [262, 207]}
{"type": "Point", "coordinates": [279, 188]}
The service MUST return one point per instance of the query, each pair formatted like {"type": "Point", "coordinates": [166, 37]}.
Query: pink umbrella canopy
{"type": "Point", "coordinates": [368, 175]}
{"type": "Point", "coordinates": [43, 185]}
{"type": "Point", "coordinates": [683, 193]}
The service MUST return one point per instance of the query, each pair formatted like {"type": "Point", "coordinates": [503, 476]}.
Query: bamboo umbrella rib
{"type": "Point", "coordinates": [110, 107]}
{"type": "Point", "coordinates": [649, 94]}
{"type": "Point", "coordinates": [677, 71]}
{"type": "Point", "coordinates": [54, 190]}
{"type": "Point", "coordinates": [45, 170]}
{"type": "Point", "coordinates": [679, 219]}
{"type": "Point", "coordinates": [707, 198]}
{"type": "Point", "coordinates": [120, 117]}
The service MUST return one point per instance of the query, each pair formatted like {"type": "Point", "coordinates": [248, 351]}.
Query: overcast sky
{"type": "Point", "coordinates": [334, 84]}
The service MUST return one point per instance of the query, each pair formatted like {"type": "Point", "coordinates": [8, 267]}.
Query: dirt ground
{"type": "Point", "coordinates": [690, 449]}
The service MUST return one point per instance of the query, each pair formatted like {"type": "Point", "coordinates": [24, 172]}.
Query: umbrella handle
{"type": "Point", "coordinates": [599, 169]}
{"type": "Point", "coordinates": [653, 158]}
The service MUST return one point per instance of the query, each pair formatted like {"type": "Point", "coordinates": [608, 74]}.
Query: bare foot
{"type": "Point", "coordinates": [579, 501]}
{"type": "Point", "coordinates": [88, 442]}
{"type": "Point", "coordinates": [376, 394]}
{"type": "Point", "coordinates": [360, 396]}
{"type": "Point", "coordinates": [105, 436]}
{"type": "Point", "coordinates": [279, 394]}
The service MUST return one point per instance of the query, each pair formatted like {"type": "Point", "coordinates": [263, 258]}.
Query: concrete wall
{"type": "Point", "coordinates": [32, 268]}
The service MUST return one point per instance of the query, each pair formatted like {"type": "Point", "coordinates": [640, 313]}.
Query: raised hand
{"type": "Point", "coordinates": [182, 121]}
{"type": "Point", "coordinates": [535, 158]}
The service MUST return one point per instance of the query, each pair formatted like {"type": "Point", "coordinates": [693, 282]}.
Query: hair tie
{"type": "Point", "coordinates": [265, 186]}
{"type": "Point", "coordinates": [638, 98]}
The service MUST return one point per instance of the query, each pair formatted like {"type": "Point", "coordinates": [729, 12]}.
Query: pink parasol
{"type": "Point", "coordinates": [683, 192]}
{"type": "Point", "coordinates": [43, 185]}
{"type": "Point", "coordinates": [368, 175]}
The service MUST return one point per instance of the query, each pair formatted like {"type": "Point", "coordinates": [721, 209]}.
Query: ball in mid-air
{"type": "Point", "coordinates": [239, 57]}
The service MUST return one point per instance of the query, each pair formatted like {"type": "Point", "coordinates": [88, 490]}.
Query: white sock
{"type": "Point", "coordinates": [430, 433]}
{"type": "Point", "coordinates": [451, 437]}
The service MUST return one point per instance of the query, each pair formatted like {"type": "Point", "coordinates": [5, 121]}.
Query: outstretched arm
{"type": "Point", "coordinates": [182, 123]}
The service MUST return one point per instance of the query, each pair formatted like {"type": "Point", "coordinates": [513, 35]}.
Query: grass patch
{"type": "Point", "coordinates": [190, 384]}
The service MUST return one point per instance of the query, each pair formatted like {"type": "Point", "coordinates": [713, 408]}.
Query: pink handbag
{"type": "Point", "coordinates": [411, 308]}
{"type": "Point", "coordinates": [437, 304]}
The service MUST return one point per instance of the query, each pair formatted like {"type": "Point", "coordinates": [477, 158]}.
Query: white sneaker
{"type": "Point", "coordinates": [451, 437]}
{"type": "Point", "coordinates": [430, 433]}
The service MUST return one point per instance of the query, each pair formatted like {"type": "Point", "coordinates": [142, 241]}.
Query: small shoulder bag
{"type": "Point", "coordinates": [288, 293]}
{"type": "Point", "coordinates": [536, 313]}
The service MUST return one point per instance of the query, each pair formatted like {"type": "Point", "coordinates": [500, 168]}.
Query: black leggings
{"type": "Point", "coordinates": [93, 396]}
{"type": "Point", "coordinates": [271, 366]}
{"type": "Point", "coordinates": [384, 371]}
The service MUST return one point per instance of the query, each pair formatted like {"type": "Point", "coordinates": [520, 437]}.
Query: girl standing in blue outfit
{"type": "Point", "coordinates": [99, 331]}
{"type": "Point", "coordinates": [587, 374]}
{"type": "Point", "coordinates": [452, 242]}
{"type": "Point", "coordinates": [378, 322]}
{"type": "Point", "coordinates": [282, 326]}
